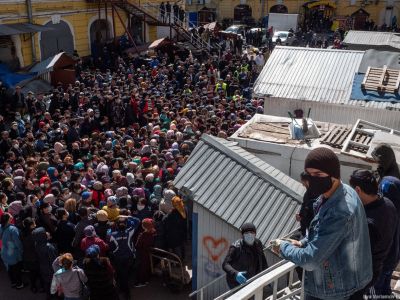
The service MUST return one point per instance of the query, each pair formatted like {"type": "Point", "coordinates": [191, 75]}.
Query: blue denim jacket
{"type": "Point", "coordinates": [336, 254]}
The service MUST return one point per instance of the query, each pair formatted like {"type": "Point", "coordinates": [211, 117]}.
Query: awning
{"type": "Point", "coordinates": [21, 28]}
{"type": "Point", "coordinates": [159, 43]}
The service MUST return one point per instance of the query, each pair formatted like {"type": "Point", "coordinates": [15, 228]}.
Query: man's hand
{"type": "Point", "coordinates": [240, 278]}
{"type": "Point", "coordinates": [294, 242]}
{"type": "Point", "coordinates": [298, 218]}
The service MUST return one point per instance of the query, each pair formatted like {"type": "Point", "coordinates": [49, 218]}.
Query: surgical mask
{"type": "Point", "coordinates": [8, 170]}
{"type": "Point", "coordinates": [140, 207]}
{"type": "Point", "coordinates": [319, 185]}
{"type": "Point", "coordinates": [249, 238]}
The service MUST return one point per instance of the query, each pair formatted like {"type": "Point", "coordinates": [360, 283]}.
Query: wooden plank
{"type": "Point", "coordinates": [338, 135]}
{"type": "Point", "coordinates": [344, 136]}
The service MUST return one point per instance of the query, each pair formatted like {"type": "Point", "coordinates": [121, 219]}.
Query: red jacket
{"type": "Point", "coordinates": [95, 240]}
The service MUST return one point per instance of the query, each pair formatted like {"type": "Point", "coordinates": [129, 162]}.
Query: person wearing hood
{"type": "Point", "coordinates": [52, 173]}
{"type": "Point", "coordinates": [156, 196]}
{"type": "Point", "coordinates": [111, 208]}
{"type": "Point", "coordinates": [65, 231]}
{"type": "Point", "coordinates": [100, 275]}
{"type": "Point", "coordinates": [30, 258]}
{"type": "Point", "coordinates": [175, 227]}
{"type": "Point", "coordinates": [245, 257]}
{"type": "Point", "coordinates": [389, 187]}
{"type": "Point", "coordinates": [11, 251]}
{"type": "Point", "coordinates": [143, 244]}
{"type": "Point", "coordinates": [46, 219]}
{"type": "Point", "coordinates": [79, 230]}
{"type": "Point", "coordinates": [67, 278]}
{"type": "Point", "coordinates": [46, 253]}
{"type": "Point", "coordinates": [91, 238]}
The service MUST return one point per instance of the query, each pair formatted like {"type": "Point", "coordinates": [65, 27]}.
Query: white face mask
{"type": "Point", "coordinates": [140, 207]}
{"type": "Point", "coordinates": [249, 238]}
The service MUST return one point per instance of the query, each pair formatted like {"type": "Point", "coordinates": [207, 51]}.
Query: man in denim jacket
{"type": "Point", "coordinates": [336, 254]}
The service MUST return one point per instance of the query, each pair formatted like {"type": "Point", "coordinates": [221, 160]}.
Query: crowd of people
{"type": "Point", "coordinates": [87, 171]}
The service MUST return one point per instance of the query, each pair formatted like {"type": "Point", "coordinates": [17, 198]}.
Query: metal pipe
{"type": "Point", "coordinates": [30, 18]}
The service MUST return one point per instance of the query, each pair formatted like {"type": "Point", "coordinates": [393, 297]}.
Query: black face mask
{"type": "Point", "coordinates": [318, 185]}
{"type": "Point", "coordinates": [121, 227]}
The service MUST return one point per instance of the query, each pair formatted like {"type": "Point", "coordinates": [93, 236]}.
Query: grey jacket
{"type": "Point", "coordinates": [70, 281]}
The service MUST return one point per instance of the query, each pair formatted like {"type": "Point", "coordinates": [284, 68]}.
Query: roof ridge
{"type": "Point", "coordinates": [225, 147]}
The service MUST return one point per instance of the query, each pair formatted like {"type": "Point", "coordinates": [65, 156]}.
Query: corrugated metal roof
{"type": "Point", "coordinates": [238, 187]}
{"type": "Point", "coordinates": [373, 38]}
{"type": "Point", "coordinates": [320, 75]}
{"type": "Point", "coordinates": [324, 75]}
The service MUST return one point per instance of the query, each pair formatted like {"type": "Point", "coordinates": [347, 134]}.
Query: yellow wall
{"type": "Point", "coordinates": [225, 8]}
{"type": "Point", "coordinates": [78, 15]}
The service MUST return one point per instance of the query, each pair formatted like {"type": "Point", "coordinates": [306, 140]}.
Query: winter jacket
{"type": "Point", "coordinates": [70, 281]}
{"type": "Point", "coordinates": [45, 251]}
{"type": "Point", "coordinates": [244, 258]}
{"type": "Point", "coordinates": [382, 225]}
{"type": "Point", "coordinates": [11, 251]}
{"type": "Point", "coordinates": [336, 253]}
{"type": "Point", "coordinates": [89, 241]}
{"type": "Point", "coordinates": [28, 243]}
{"type": "Point", "coordinates": [64, 236]}
{"type": "Point", "coordinates": [79, 228]}
{"type": "Point", "coordinates": [174, 229]}
{"type": "Point", "coordinates": [100, 275]}
{"type": "Point", "coordinates": [389, 187]}
{"type": "Point", "coordinates": [121, 241]}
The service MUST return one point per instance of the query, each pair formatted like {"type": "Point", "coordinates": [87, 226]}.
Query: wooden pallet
{"type": "Point", "coordinates": [336, 137]}
{"type": "Point", "coordinates": [381, 80]}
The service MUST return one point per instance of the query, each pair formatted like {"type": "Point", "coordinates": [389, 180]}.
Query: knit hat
{"type": "Point", "coordinates": [89, 231]}
{"type": "Point", "coordinates": [112, 200]}
{"type": "Point", "coordinates": [102, 215]}
{"type": "Point", "coordinates": [93, 251]}
{"type": "Point", "coordinates": [108, 193]}
{"type": "Point", "coordinates": [86, 195]}
{"type": "Point", "coordinates": [49, 198]}
{"type": "Point", "coordinates": [130, 178]}
{"type": "Point", "coordinates": [325, 160]}
{"type": "Point", "coordinates": [246, 227]}
{"type": "Point", "coordinates": [97, 185]}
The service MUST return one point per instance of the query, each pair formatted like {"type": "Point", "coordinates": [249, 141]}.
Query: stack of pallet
{"type": "Point", "coordinates": [381, 80]}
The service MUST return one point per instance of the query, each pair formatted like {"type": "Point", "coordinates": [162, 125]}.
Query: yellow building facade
{"type": "Point", "coordinates": [380, 11]}
{"type": "Point", "coordinates": [79, 20]}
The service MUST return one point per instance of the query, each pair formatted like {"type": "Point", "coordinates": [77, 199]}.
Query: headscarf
{"type": "Point", "coordinates": [51, 171]}
{"type": "Point", "coordinates": [177, 203]}
{"type": "Point", "coordinates": [148, 225]}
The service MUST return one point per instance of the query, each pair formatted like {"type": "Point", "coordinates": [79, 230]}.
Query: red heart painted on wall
{"type": "Point", "coordinates": [215, 247]}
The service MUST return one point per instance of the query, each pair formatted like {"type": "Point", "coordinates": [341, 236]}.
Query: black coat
{"type": "Point", "coordinates": [174, 229]}
{"type": "Point", "coordinates": [100, 278]}
{"type": "Point", "coordinates": [64, 236]}
{"type": "Point", "coordinates": [382, 226]}
{"type": "Point", "coordinates": [244, 258]}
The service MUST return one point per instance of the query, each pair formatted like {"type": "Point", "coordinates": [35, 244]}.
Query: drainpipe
{"type": "Point", "coordinates": [30, 18]}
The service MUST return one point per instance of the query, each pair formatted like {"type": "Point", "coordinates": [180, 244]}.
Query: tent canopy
{"type": "Point", "coordinates": [160, 43]}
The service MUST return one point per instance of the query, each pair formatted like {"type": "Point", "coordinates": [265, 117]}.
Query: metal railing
{"type": "Point", "coordinates": [256, 288]}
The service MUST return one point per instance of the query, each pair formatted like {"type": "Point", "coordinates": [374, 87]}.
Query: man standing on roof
{"type": "Point", "coordinates": [245, 257]}
{"type": "Point", "coordinates": [336, 253]}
